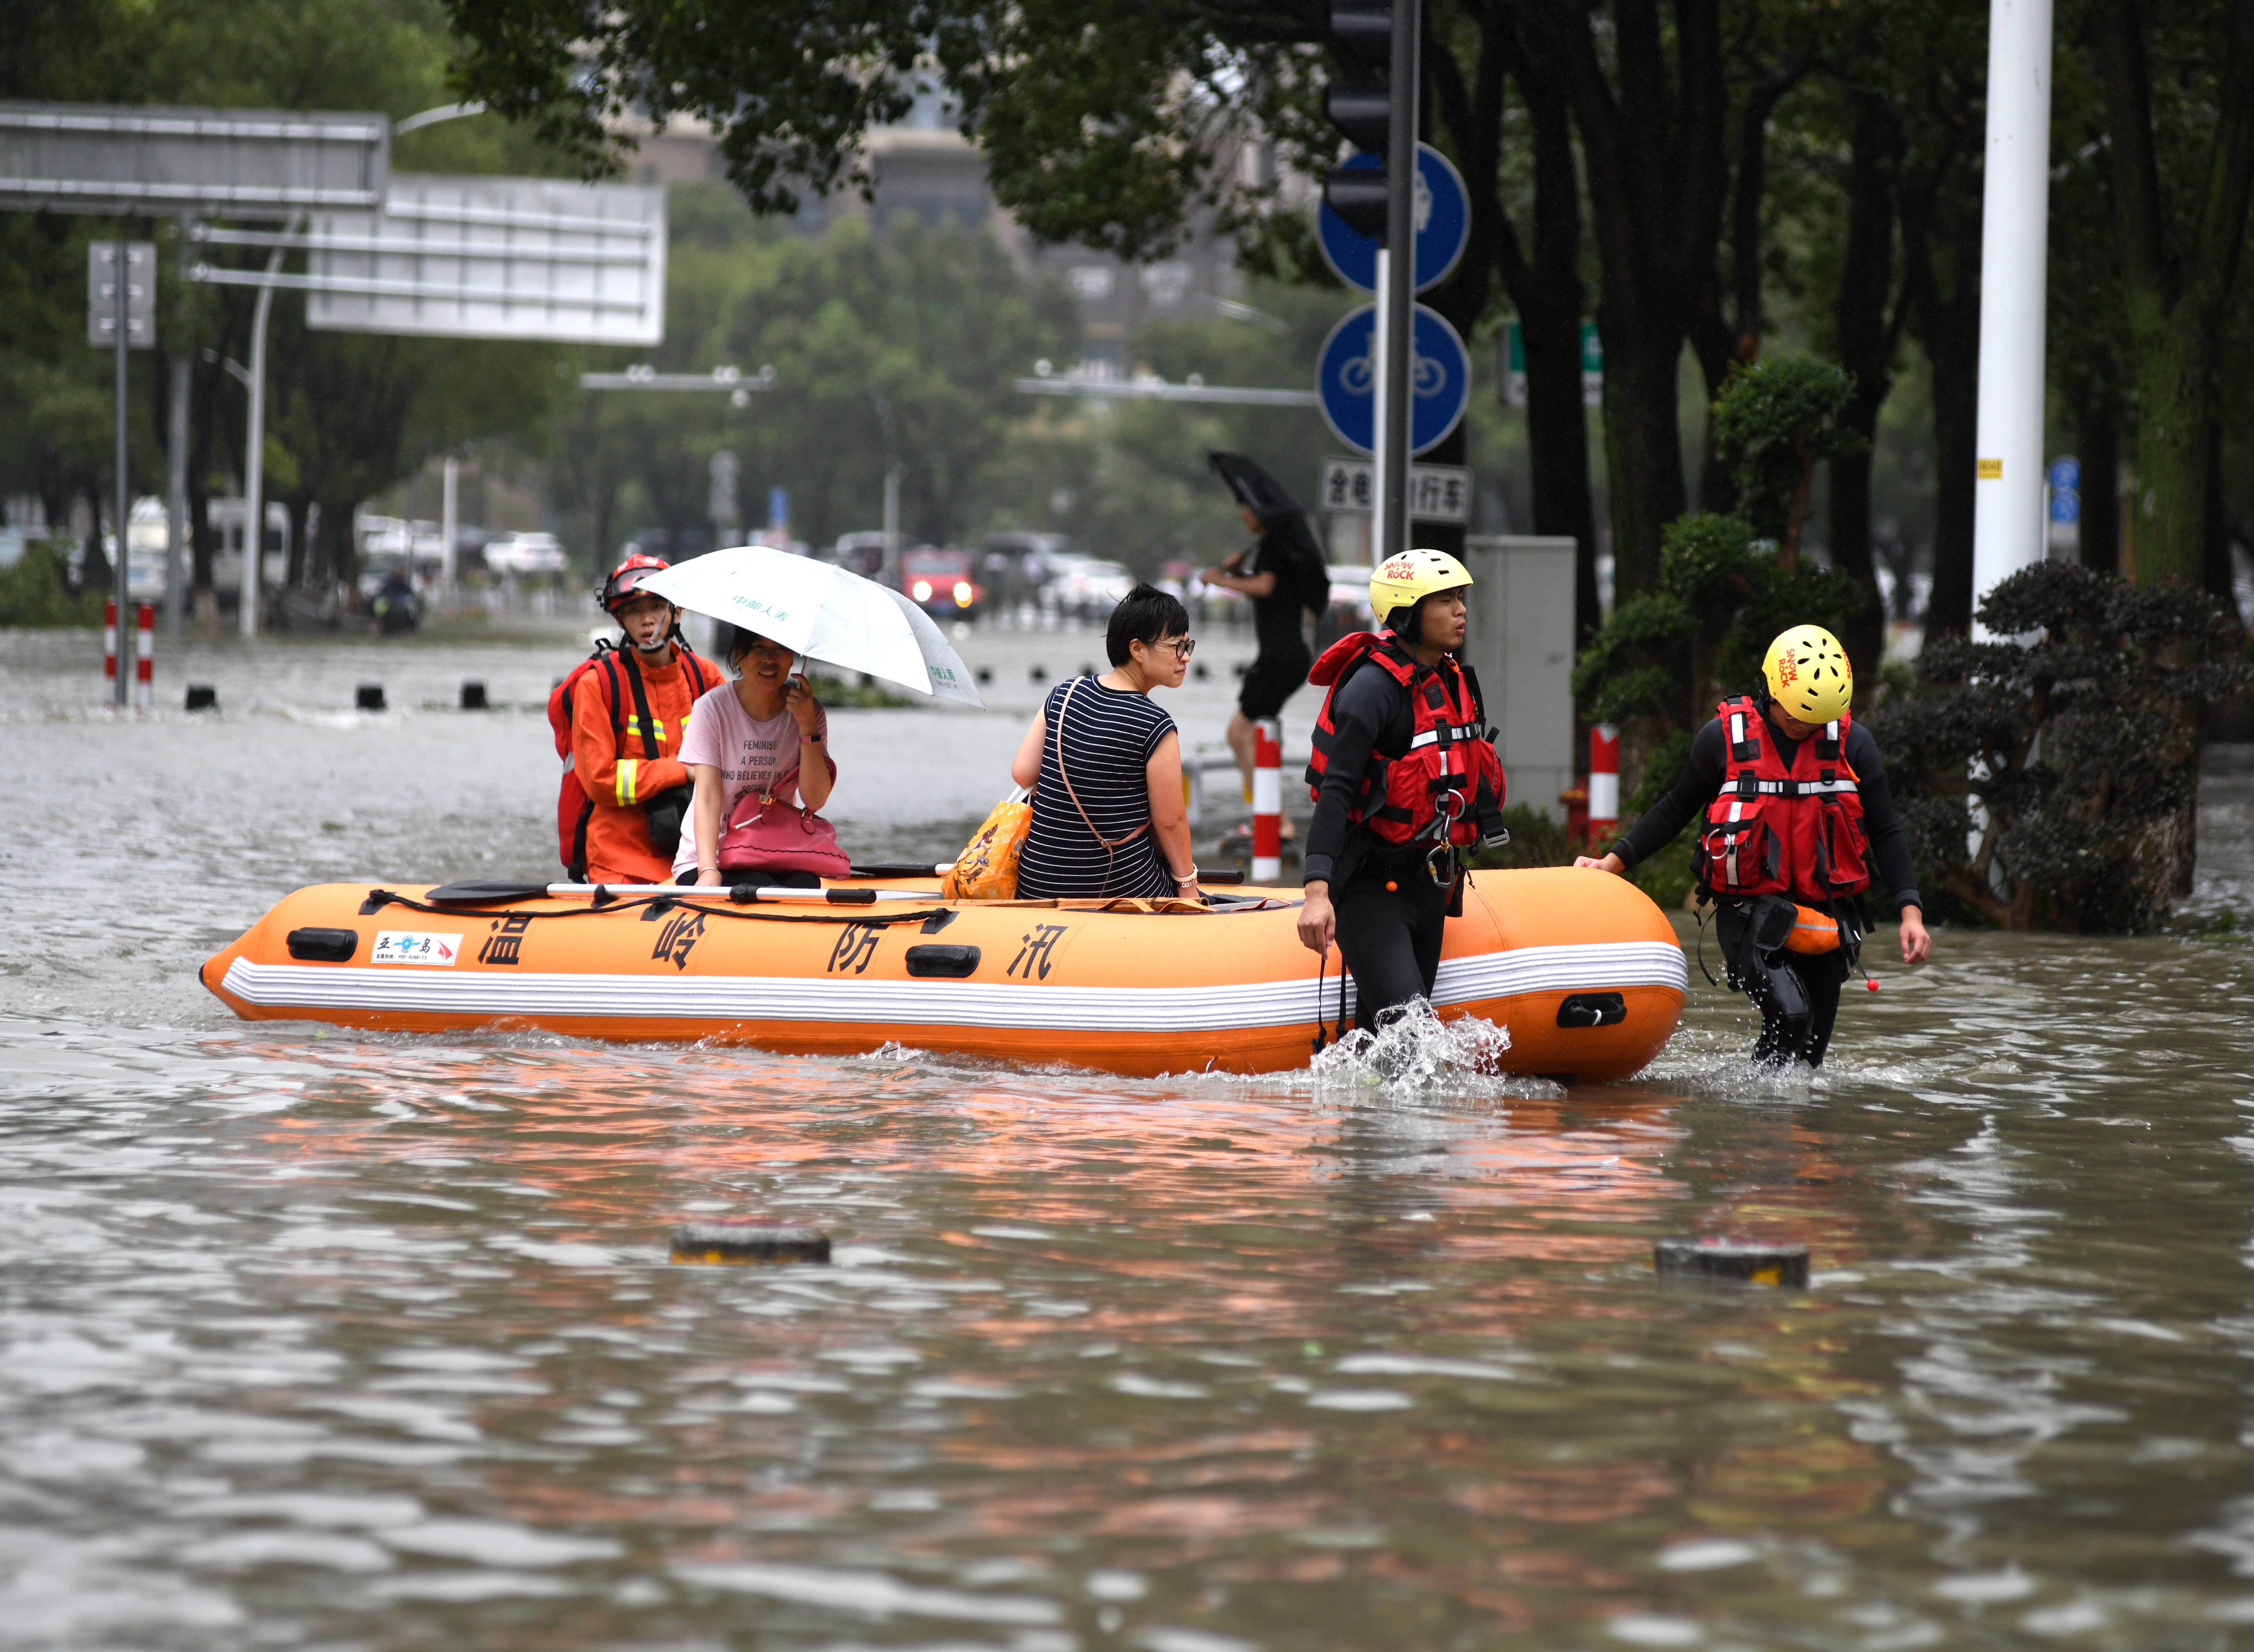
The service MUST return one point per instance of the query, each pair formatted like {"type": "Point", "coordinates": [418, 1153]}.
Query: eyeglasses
{"type": "Point", "coordinates": [1182, 647]}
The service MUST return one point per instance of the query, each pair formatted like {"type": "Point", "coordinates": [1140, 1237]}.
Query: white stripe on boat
{"type": "Point", "coordinates": [1596, 966]}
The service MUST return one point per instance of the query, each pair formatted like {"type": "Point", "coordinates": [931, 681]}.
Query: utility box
{"type": "Point", "coordinates": [1521, 643]}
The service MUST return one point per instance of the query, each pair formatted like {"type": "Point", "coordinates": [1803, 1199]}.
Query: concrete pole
{"type": "Point", "coordinates": [176, 501]}
{"type": "Point", "coordinates": [120, 270]}
{"type": "Point", "coordinates": [1397, 315]}
{"type": "Point", "coordinates": [449, 523]}
{"type": "Point", "coordinates": [2007, 513]}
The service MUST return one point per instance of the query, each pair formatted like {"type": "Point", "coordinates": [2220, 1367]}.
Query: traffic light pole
{"type": "Point", "coordinates": [1397, 285]}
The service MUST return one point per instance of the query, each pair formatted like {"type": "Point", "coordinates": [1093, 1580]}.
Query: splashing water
{"type": "Point", "coordinates": [1415, 1053]}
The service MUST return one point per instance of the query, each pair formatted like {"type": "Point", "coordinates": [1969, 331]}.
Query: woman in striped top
{"type": "Point", "coordinates": [1105, 767]}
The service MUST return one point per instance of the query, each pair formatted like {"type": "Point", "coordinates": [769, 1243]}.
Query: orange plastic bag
{"type": "Point", "coordinates": [1812, 931]}
{"type": "Point", "coordinates": [987, 868]}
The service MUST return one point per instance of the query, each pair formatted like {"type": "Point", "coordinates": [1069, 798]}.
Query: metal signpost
{"type": "Point", "coordinates": [1157, 389]}
{"type": "Point", "coordinates": [738, 384]}
{"type": "Point", "coordinates": [491, 258]}
{"type": "Point", "coordinates": [121, 313]}
{"type": "Point", "coordinates": [456, 257]}
{"type": "Point", "coordinates": [94, 158]}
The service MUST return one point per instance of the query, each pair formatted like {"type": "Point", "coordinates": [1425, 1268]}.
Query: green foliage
{"type": "Point", "coordinates": [36, 591]}
{"type": "Point", "coordinates": [2082, 743]}
{"type": "Point", "coordinates": [1667, 877]}
{"type": "Point", "coordinates": [1536, 840]}
{"type": "Point", "coordinates": [1722, 596]}
{"type": "Point", "coordinates": [1781, 417]}
{"type": "Point", "coordinates": [865, 694]}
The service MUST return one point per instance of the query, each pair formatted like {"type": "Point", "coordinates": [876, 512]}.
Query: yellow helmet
{"type": "Point", "coordinates": [1399, 582]}
{"type": "Point", "coordinates": [1808, 676]}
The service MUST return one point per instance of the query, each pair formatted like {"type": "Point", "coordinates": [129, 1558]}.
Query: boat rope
{"type": "Point", "coordinates": [379, 898]}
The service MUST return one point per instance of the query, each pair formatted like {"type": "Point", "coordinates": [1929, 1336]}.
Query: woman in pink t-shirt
{"type": "Point", "coordinates": [742, 737]}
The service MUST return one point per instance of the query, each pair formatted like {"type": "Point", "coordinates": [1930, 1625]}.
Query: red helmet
{"type": "Point", "coordinates": [624, 579]}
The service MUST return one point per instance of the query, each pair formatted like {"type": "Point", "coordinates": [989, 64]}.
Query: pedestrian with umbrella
{"type": "Point", "coordinates": [1284, 575]}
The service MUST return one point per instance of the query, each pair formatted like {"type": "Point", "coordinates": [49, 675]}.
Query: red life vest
{"type": "Point", "coordinates": [1450, 767]}
{"type": "Point", "coordinates": [574, 809]}
{"type": "Point", "coordinates": [1779, 830]}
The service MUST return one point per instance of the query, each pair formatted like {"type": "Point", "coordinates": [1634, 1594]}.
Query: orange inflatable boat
{"type": "Point", "coordinates": [1582, 968]}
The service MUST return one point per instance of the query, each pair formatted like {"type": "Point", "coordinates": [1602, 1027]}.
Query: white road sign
{"type": "Point", "coordinates": [1437, 492]}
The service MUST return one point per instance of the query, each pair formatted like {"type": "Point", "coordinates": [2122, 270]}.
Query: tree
{"type": "Point", "coordinates": [1728, 582]}
{"type": "Point", "coordinates": [1781, 417]}
{"type": "Point", "coordinates": [2180, 246]}
{"type": "Point", "coordinates": [1114, 126]}
{"type": "Point", "coordinates": [2081, 747]}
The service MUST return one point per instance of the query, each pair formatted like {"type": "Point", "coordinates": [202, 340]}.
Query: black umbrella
{"type": "Point", "coordinates": [1281, 519]}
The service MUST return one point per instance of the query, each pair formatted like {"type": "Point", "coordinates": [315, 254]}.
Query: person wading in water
{"type": "Point", "coordinates": [1403, 775]}
{"type": "Point", "coordinates": [1796, 811]}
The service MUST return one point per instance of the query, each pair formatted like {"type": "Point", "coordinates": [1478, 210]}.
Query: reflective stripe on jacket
{"type": "Point", "coordinates": [1449, 766]}
{"type": "Point", "coordinates": [1778, 830]}
{"type": "Point", "coordinates": [620, 766]}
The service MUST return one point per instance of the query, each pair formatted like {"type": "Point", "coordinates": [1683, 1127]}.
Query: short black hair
{"type": "Point", "coordinates": [1146, 615]}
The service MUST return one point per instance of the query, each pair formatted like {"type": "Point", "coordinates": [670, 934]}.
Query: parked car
{"type": "Point", "coordinates": [525, 555]}
{"type": "Point", "coordinates": [1086, 583]}
{"type": "Point", "coordinates": [940, 582]}
{"type": "Point", "coordinates": [861, 553]}
{"type": "Point", "coordinates": [1014, 566]}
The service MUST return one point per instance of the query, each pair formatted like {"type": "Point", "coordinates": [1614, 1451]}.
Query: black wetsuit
{"type": "Point", "coordinates": [1390, 938]}
{"type": "Point", "coordinates": [1796, 992]}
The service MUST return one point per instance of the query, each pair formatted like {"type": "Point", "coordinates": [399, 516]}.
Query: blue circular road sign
{"type": "Point", "coordinates": [1345, 379]}
{"type": "Point", "coordinates": [1442, 220]}
{"type": "Point", "coordinates": [2066, 472]}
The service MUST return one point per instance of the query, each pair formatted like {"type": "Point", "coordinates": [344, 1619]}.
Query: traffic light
{"type": "Point", "coordinates": [1363, 112]}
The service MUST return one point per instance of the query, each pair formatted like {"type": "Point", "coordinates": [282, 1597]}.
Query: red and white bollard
{"type": "Point", "coordinates": [1267, 801]}
{"type": "Point", "coordinates": [109, 642]}
{"type": "Point", "coordinates": [1604, 779]}
{"type": "Point", "coordinates": [145, 657]}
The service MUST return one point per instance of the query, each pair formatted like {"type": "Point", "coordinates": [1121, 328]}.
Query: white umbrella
{"type": "Point", "coordinates": [822, 612]}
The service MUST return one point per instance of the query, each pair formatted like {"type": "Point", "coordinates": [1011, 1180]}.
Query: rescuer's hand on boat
{"type": "Point", "coordinates": [1610, 863]}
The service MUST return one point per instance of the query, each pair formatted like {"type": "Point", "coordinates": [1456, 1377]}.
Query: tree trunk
{"type": "Point", "coordinates": [2099, 438]}
{"type": "Point", "coordinates": [2175, 374]}
{"type": "Point", "coordinates": [1657, 174]}
{"type": "Point", "coordinates": [1867, 335]}
{"type": "Point", "coordinates": [1722, 344]}
{"type": "Point", "coordinates": [2219, 579]}
{"type": "Point", "coordinates": [2176, 284]}
{"type": "Point", "coordinates": [1947, 321]}
{"type": "Point", "coordinates": [339, 554]}
{"type": "Point", "coordinates": [1545, 289]}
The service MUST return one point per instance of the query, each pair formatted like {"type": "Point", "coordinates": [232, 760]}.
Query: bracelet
{"type": "Point", "coordinates": [1189, 877]}
{"type": "Point", "coordinates": [809, 739]}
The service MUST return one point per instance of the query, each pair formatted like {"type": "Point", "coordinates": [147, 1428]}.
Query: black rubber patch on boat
{"type": "Point", "coordinates": [1591, 1008]}
{"type": "Point", "coordinates": [324, 946]}
{"type": "Point", "coordinates": [943, 960]}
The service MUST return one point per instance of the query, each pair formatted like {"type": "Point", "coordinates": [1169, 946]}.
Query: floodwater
{"type": "Point", "coordinates": [319, 1340]}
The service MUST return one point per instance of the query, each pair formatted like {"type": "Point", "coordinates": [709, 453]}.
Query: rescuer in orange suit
{"type": "Point", "coordinates": [625, 734]}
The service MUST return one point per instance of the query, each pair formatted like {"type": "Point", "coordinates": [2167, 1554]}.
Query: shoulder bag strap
{"type": "Point", "coordinates": [1109, 843]}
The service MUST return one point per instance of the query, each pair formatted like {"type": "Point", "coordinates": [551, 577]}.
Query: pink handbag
{"type": "Point", "coordinates": [765, 832]}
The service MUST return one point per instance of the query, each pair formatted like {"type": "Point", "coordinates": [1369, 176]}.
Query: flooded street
{"type": "Point", "coordinates": [315, 1339]}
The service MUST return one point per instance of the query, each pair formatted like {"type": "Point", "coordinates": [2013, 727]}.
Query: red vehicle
{"type": "Point", "coordinates": [941, 583]}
